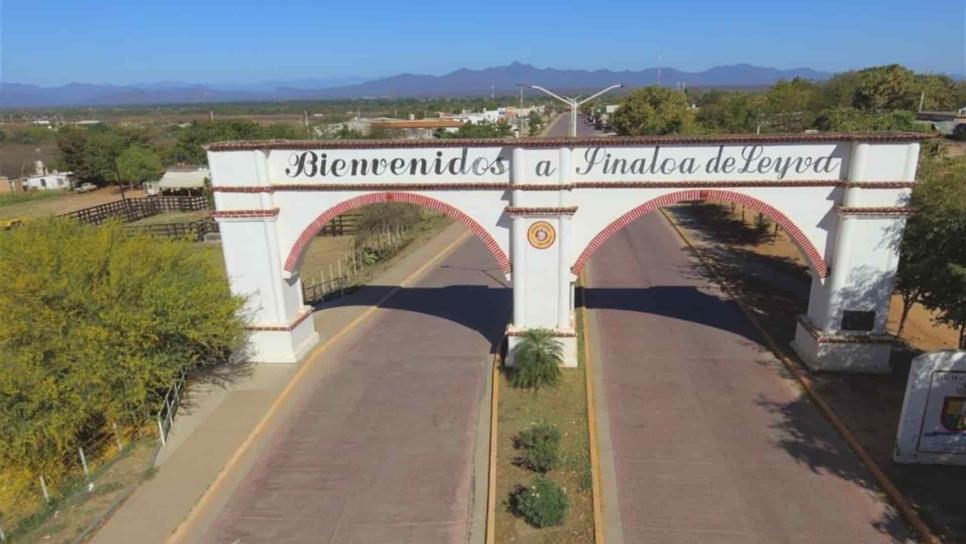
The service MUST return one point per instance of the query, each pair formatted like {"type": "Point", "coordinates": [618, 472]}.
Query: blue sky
{"type": "Point", "coordinates": [51, 42]}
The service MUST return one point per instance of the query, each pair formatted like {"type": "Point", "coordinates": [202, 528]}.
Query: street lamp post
{"type": "Point", "coordinates": [574, 103]}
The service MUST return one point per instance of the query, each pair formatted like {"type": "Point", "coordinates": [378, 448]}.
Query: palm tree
{"type": "Point", "coordinates": [536, 360]}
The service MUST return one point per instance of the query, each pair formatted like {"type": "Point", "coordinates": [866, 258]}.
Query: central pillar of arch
{"type": "Point", "coordinates": [541, 247]}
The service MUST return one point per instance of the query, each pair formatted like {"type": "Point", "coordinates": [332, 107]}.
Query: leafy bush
{"type": "Point", "coordinates": [97, 324]}
{"type": "Point", "coordinates": [543, 504]}
{"type": "Point", "coordinates": [376, 219]}
{"type": "Point", "coordinates": [536, 360]}
{"type": "Point", "coordinates": [541, 447]}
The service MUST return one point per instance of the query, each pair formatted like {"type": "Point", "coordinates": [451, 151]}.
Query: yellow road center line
{"type": "Point", "coordinates": [596, 494]}
{"type": "Point", "coordinates": [491, 491]}
{"type": "Point", "coordinates": [183, 529]}
{"type": "Point", "coordinates": [892, 492]}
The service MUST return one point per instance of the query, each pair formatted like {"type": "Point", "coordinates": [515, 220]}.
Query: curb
{"type": "Point", "coordinates": [595, 475]}
{"type": "Point", "coordinates": [899, 501]}
{"type": "Point", "coordinates": [491, 482]}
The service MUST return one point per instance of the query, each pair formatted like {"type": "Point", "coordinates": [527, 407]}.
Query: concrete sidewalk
{"type": "Point", "coordinates": [218, 419]}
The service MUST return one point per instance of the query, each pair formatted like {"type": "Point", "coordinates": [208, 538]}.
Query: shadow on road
{"type": "Point", "coordinates": [684, 302]}
{"type": "Point", "coordinates": [484, 309]}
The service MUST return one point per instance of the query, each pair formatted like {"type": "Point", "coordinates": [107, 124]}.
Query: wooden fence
{"type": "Point", "coordinates": [193, 230]}
{"type": "Point", "coordinates": [346, 223]}
{"type": "Point", "coordinates": [348, 269]}
{"type": "Point", "coordinates": [129, 210]}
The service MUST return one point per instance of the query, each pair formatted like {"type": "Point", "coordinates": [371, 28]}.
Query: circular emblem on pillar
{"type": "Point", "coordinates": [541, 235]}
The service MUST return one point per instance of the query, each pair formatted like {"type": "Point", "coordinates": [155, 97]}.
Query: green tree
{"type": "Point", "coordinates": [71, 144]}
{"type": "Point", "coordinates": [655, 110]}
{"type": "Point", "coordinates": [535, 122]}
{"type": "Point", "coordinates": [536, 360]}
{"type": "Point", "coordinates": [192, 139]}
{"type": "Point", "coordinates": [856, 120]}
{"type": "Point", "coordinates": [97, 325]}
{"type": "Point", "coordinates": [883, 88]}
{"type": "Point", "coordinates": [932, 268]}
{"type": "Point", "coordinates": [731, 112]}
{"type": "Point", "coordinates": [790, 105]}
{"type": "Point", "coordinates": [138, 164]}
{"type": "Point", "coordinates": [100, 157]}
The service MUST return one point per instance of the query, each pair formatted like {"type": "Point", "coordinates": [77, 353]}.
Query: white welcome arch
{"type": "Point", "coordinates": [542, 207]}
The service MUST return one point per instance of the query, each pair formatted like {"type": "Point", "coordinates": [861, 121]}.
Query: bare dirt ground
{"type": "Point", "coordinates": [65, 202]}
{"type": "Point", "coordinates": [769, 273]}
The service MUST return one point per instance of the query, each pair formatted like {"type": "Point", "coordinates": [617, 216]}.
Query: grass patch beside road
{"type": "Point", "coordinates": [12, 199]}
{"type": "Point", "coordinates": [566, 407]}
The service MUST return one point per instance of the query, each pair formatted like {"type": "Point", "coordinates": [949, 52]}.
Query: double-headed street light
{"type": "Point", "coordinates": [574, 103]}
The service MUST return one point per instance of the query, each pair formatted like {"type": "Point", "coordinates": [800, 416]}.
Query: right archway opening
{"type": "Point", "coordinates": [808, 250]}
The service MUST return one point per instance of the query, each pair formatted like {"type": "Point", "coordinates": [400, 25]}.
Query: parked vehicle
{"type": "Point", "coordinates": [85, 188]}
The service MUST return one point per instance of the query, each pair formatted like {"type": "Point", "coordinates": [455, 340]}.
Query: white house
{"type": "Point", "coordinates": [48, 182]}
{"type": "Point", "coordinates": [177, 179]}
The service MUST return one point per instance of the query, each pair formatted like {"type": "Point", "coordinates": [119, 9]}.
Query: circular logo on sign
{"type": "Point", "coordinates": [541, 235]}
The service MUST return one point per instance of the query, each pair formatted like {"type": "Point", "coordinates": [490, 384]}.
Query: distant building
{"type": "Point", "coordinates": [414, 129]}
{"type": "Point", "coordinates": [51, 181]}
{"type": "Point", "coordinates": [47, 180]}
{"type": "Point", "coordinates": [183, 179]}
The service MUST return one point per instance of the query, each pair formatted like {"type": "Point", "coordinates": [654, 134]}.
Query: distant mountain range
{"type": "Point", "coordinates": [462, 82]}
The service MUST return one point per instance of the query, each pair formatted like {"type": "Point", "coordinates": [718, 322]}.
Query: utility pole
{"type": "Point", "coordinates": [660, 60]}
{"type": "Point", "coordinates": [574, 103]}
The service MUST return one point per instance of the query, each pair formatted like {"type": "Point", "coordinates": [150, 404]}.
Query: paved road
{"type": "Point", "coordinates": [710, 442]}
{"type": "Point", "coordinates": [562, 127]}
{"type": "Point", "coordinates": [380, 447]}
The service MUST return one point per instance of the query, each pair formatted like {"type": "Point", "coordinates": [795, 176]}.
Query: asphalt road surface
{"type": "Point", "coordinates": [562, 127]}
{"type": "Point", "coordinates": [710, 442]}
{"type": "Point", "coordinates": [379, 448]}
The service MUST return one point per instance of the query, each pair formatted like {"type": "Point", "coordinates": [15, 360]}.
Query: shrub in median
{"type": "Point", "coordinates": [543, 504]}
{"type": "Point", "coordinates": [541, 447]}
{"type": "Point", "coordinates": [536, 360]}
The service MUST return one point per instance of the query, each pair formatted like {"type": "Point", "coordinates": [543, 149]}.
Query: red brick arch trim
{"type": "Point", "coordinates": [291, 263]}
{"type": "Point", "coordinates": [814, 258]}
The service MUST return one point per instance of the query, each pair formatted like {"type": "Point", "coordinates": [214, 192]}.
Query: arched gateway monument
{"type": "Point", "coordinates": [542, 207]}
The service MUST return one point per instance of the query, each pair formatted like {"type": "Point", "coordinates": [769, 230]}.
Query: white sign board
{"type": "Point", "coordinates": [656, 163]}
{"type": "Point", "coordinates": [932, 428]}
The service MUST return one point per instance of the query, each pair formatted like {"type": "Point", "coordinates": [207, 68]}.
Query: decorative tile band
{"type": "Point", "coordinates": [811, 254]}
{"type": "Point", "coordinates": [363, 187]}
{"type": "Point", "coordinates": [565, 210]}
{"type": "Point", "coordinates": [239, 214]}
{"type": "Point", "coordinates": [593, 141]}
{"type": "Point", "coordinates": [303, 315]}
{"type": "Point", "coordinates": [881, 184]}
{"type": "Point", "coordinates": [883, 211]}
{"type": "Point", "coordinates": [559, 186]}
{"type": "Point", "coordinates": [825, 338]}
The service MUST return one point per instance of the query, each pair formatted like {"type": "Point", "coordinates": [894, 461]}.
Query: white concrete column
{"type": "Point", "coordinates": [518, 252]}
{"type": "Point", "coordinates": [565, 306]}
{"type": "Point", "coordinates": [564, 302]}
{"type": "Point", "coordinates": [518, 239]}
